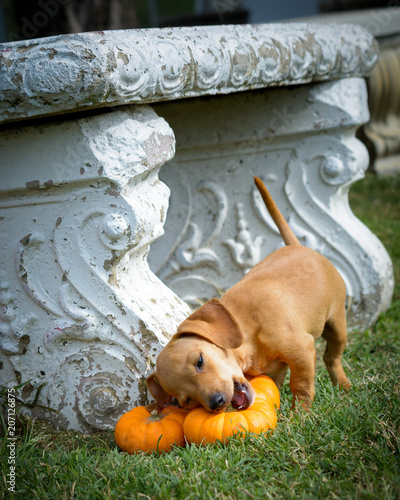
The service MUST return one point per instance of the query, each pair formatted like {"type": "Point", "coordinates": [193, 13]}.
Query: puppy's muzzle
{"type": "Point", "coordinates": [241, 398]}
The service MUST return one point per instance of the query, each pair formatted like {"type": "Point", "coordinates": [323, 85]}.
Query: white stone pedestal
{"type": "Point", "coordinates": [83, 317]}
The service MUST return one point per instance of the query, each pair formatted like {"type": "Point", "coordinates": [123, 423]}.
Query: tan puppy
{"type": "Point", "coordinates": [264, 324]}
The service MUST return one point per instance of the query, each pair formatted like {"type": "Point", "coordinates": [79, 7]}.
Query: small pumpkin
{"type": "Point", "coordinates": [201, 426]}
{"type": "Point", "coordinates": [149, 431]}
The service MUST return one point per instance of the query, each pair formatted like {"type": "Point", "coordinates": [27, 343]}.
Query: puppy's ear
{"type": "Point", "coordinates": [214, 323]}
{"type": "Point", "coordinates": [162, 398]}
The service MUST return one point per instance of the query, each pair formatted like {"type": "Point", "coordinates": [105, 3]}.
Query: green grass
{"type": "Point", "coordinates": [347, 447]}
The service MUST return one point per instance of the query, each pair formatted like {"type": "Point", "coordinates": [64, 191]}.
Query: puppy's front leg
{"type": "Point", "coordinates": [302, 370]}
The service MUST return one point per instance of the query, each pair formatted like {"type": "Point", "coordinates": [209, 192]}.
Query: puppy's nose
{"type": "Point", "coordinates": [217, 401]}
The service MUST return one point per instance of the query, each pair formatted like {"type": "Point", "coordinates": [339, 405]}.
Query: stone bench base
{"type": "Point", "coordinates": [83, 316]}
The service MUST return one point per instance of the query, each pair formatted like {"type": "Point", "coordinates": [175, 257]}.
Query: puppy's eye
{"type": "Point", "coordinates": [199, 363]}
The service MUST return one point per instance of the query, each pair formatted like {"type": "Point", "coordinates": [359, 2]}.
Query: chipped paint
{"type": "Point", "coordinates": [113, 192]}
{"type": "Point", "coordinates": [33, 185]}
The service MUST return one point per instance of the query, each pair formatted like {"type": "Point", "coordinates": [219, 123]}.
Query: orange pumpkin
{"type": "Point", "coordinates": [142, 430]}
{"type": "Point", "coordinates": [266, 388]}
{"type": "Point", "coordinates": [201, 426]}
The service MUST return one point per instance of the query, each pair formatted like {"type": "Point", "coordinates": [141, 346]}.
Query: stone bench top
{"type": "Point", "coordinates": [77, 72]}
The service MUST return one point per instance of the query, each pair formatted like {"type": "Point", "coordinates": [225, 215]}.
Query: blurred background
{"type": "Point", "coordinates": [26, 19]}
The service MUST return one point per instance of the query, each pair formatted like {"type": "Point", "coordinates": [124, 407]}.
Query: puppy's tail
{"type": "Point", "coordinates": [287, 234]}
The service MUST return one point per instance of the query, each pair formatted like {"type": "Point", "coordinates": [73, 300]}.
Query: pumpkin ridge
{"type": "Point", "coordinates": [257, 421]}
{"type": "Point", "coordinates": [202, 430]}
{"type": "Point", "coordinates": [151, 429]}
{"type": "Point", "coordinates": [235, 423]}
{"type": "Point", "coordinates": [217, 421]}
{"type": "Point", "coordinates": [177, 416]}
{"type": "Point", "coordinates": [266, 389]}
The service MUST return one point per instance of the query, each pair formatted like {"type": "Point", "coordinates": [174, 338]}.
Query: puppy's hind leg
{"type": "Point", "coordinates": [335, 334]}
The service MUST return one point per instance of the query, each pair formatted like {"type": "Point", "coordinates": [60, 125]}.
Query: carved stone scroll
{"type": "Point", "coordinates": [302, 143]}
{"type": "Point", "coordinates": [82, 315]}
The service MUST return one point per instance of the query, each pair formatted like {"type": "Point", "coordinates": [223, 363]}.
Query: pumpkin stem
{"type": "Point", "coordinates": [155, 416]}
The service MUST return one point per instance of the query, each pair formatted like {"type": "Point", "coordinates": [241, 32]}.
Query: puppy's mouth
{"type": "Point", "coordinates": [241, 399]}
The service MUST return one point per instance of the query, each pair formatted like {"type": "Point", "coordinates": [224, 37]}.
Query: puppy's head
{"type": "Point", "coordinates": [198, 365]}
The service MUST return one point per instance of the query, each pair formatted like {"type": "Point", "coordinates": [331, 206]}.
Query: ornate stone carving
{"type": "Point", "coordinates": [245, 252]}
{"type": "Point", "coordinates": [302, 143]}
{"type": "Point", "coordinates": [81, 71]}
{"type": "Point", "coordinates": [191, 248]}
{"type": "Point", "coordinates": [82, 315]}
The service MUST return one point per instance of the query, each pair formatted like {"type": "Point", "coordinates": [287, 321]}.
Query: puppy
{"type": "Point", "coordinates": [265, 324]}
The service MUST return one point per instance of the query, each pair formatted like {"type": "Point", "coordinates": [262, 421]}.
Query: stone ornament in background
{"type": "Point", "coordinates": [83, 316]}
{"type": "Point", "coordinates": [382, 132]}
